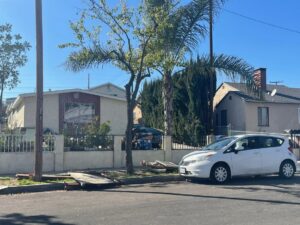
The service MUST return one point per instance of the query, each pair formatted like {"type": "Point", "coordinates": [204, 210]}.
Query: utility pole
{"type": "Point", "coordinates": [38, 163]}
{"type": "Point", "coordinates": [212, 71]}
{"type": "Point", "coordinates": [88, 81]}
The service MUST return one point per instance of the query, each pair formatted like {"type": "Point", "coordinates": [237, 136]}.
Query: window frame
{"type": "Point", "coordinates": [260, 119]}
{"type": "Point", "coordinates": [224, 118]}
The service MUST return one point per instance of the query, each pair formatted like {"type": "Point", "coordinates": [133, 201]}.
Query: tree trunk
{"type": "Point", "coordinates": [1, 102]}
{"type": "Point", "coordinates": [128, 137]}
{"type": "Point", "coordinates": [167, 95]}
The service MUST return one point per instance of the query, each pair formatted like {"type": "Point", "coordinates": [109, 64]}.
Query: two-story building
{"type": "Point", "coordinates": [70, 109]}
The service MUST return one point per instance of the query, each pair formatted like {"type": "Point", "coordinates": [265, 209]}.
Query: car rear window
{"type": "Point", "coordinates": [268, 142]}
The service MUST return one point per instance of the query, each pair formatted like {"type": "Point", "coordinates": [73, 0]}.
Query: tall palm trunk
{"type": "Point", "coordinates": [167, 95]}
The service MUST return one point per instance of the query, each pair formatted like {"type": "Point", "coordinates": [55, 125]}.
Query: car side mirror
{"type": "Point", "coordinates": [233, 149]}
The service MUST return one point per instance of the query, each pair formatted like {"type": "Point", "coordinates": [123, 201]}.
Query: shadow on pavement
{"type": "Point", "coordinates": [20, 219]}
{"type": "Point", "coordinates": [257, 180]}
{"type": "Point", "coordinates": [205, 196]}
{"type": "Point", "coordinates": [270, 183]}
{"type": "Point", "coordinates": [262, 183]}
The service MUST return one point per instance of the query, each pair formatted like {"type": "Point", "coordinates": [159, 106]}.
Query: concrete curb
{"type": "Point", "coordinates": [32, 188]}
{"type": "Point", "coordinates": [60, 186]}
{"type": "Point", "coordinates": [151, 179]}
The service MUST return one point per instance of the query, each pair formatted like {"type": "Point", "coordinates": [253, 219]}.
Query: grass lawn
{"type": "Point", "coordinates": [121, 174]}
{"type": "Point", "coordinates": [10, 181]}
{"type": "Point", "coordinates": [114, 174]}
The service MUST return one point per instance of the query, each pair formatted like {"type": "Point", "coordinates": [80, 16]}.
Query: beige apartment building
{"type": "Point", "coordinates": [70, 109]}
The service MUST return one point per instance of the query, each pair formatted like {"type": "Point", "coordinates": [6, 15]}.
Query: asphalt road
{"type": "Point", "coordinates": [267, 200]}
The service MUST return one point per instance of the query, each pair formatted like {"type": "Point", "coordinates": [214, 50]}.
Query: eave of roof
{"type": "Point", "coordinates": [21, 96]}
{"type": "Point", "coordinates": [284, 94]}
{"type": "Point", "coordinates": [108, 83]}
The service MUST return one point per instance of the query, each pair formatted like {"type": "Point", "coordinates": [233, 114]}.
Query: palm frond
{"type": "Point", "coordinates": [190, 24]}
{"type": "Point", "coordinates": [231, 66]}
{"type": "Point", "coordinates": [88, 57]}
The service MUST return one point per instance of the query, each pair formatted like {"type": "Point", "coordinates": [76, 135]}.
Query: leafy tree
{"type": "Point", "coordinates": [190, 99]}
{"type": "Point", "coordinates": [96, 134]}
{"type": "Point", "coordinates": [12, 56]}
{"type": "Point", "coordinates": [126, 46]}
{"type": "Point", "coordinates": [190, 103]}
{"type": "Point", "coordinates": [186, 26]}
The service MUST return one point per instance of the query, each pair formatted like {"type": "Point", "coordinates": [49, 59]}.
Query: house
{"type": "Point", "coordinates": [137, 114]}
{"type": "Point", "coordinates": [109, 89]}
{"type": "Point", "coordinates": [275, 109]}
{"type": "Point", "coordinates": [69, 110]}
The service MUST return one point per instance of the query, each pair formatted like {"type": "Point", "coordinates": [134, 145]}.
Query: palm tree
{"type": "Point", "coordinates": [183, 27]}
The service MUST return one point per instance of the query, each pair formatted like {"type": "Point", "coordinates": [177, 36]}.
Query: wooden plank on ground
{"type": "Point", "coordinates": [44, 177]}
{"type": "Point", "coordinates": [167, 164]}
{"type": "Point", "coordinates": [84, 178]}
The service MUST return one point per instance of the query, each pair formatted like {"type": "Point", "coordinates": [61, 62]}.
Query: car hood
{"type": "Point", "coordinates": [197, 154]}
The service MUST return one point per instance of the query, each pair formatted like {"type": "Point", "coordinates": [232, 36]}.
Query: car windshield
{"type": "Point", "coordinates": [219, 144]}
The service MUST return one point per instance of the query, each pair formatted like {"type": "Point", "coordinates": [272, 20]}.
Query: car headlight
{"type": "Point", "coordinates": [187, 162]}
{"type": "Point", "coordinates": [202, 158]}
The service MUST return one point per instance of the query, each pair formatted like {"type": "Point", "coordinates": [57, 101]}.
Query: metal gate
{"type": "Point", "coordinates": [295, 138]}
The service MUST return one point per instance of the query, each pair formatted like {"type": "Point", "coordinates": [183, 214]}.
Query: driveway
{"type": "Point", "coordinates": [267, 200]}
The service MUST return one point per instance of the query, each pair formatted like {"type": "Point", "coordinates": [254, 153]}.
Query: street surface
{"type": "Point", "coordinates": [245, 201]}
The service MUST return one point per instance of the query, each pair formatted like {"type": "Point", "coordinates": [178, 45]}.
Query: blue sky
{"type": "Point", "coordinates": [258, 44]}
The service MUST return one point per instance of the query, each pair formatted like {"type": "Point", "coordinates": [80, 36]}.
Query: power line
{"type": "Point", "coordinates": [262, 22]}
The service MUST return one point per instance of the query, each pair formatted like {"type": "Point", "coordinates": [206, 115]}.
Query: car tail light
{"type": "Point", "coordinates": [290, 149]}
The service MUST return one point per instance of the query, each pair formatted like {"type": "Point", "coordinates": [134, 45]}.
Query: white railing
{"type": "Point", "coordinates": [203, 141]}
{"type": "Point", "coordinates": [21, 143]}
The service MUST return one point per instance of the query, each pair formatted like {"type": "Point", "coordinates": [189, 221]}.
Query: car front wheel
{"type": "Point", "coordinates": [287, 169]}
{"type": "Point", "coordinates": [220, 173]}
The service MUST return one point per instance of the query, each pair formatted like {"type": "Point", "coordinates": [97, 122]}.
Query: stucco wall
{"type": "Point", "coordinates": [137, 114]}
{"type": "Point", "coordinates": [114, 111]}
{"type": "Point", "coordinates": [50, 110]}
{"type": "Point", "coordinates": [16, 119]}
{"type": "Point", "coordinates": [281, 117]}
{"type": "Point", "coordinates": [178, 154]}
{"type": "Point", "coordinates": [109, 90]}
{"type": "Point", "coordinates": [221, 92]}
{"type": "Point", "coordinates": [23, 162]}
{"type": "Point", "coordinates": [236, 115]}
{"type": "Point", "coordinates": [88, 160]}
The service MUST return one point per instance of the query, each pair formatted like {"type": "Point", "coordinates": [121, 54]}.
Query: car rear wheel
{"type": "Point", "coordinates": [287, 169]}
{"type": "Point", "coordinates": [220, 173]}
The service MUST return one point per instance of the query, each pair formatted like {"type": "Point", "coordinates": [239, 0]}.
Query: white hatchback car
{"type": "Point", "coordinates": [242, 155]}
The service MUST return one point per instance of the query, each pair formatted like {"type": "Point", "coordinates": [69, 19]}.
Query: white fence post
{"type": "Point", "coordinates": [117, 151]}
{"type": "Point", "coordinates": [168, 148]}
{"type": "Point", "coordinates": [210, 139]}
{"type": "Point", "coordinates": [297, 153]}
{"type": "Point", "coordinates": [58, 153]}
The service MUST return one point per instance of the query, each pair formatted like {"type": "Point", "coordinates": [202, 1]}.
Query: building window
{"type": "Point", "coordinates": [263, 116]}
{"type": "Point", "coordinates": [224, 117]}
{"type": "Point", "coordinates": [79, 112]}
{"type": "Point", "coordinates": [77, 116]}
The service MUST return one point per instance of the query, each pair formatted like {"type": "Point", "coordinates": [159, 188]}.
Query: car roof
{"type": "Point", "coordinates": [261, 135]}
